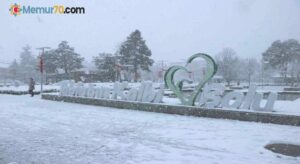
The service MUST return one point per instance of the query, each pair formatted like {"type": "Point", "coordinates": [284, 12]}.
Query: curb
{"type": "Point", "coordinates": [251, 116]}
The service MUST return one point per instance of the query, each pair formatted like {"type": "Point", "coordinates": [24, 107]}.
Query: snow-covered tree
{"type": "Point", "coordinates": [51, 61]}
{"type": "Point", "coordinates": [14, 69]}
{"type": "Point", "coordinates": [227, 62]}
{"type": "Point", "coordinates": [135, 52]}
{"type": "Point", "coordinates": [106, 64]}
{"type": "Point", "coordinates": [28, 63]}
{"type": "Point", "coordinates": [68, 59]}
{"type": "Point", "coordinates": [27, 60]}
{"type": "Point", "coordinates": [251, 66]}
{"type": "Point", "coordinates": [294, 70]}
{"type": "Point", "coordinates": [284, 56]}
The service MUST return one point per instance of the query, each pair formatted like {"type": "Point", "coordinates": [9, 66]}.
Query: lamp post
{"type": "Point", "coordinates": [42, 65]}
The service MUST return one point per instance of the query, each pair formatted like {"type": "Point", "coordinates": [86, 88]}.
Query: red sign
{"type": "Point", "coordinates": [41, 64]}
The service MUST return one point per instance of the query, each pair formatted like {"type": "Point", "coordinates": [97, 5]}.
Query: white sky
{"type": "Point", "coordinates": [173, 29]}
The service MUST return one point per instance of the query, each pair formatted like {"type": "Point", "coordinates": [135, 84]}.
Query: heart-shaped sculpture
{"type": "Point", "coordinates": [177, 88]}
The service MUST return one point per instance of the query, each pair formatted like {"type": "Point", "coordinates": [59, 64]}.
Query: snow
{"type": "Point", "coordinates": [25, 88]}
{"type": "Point", "coordinates": [288, 107]}
{"type": "Point", "coordinates": [41, 131]}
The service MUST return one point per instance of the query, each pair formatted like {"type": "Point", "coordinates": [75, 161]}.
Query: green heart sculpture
{"type": "Point", "coordinates": [177, 88]}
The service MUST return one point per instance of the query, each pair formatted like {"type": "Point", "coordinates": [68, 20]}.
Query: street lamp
{"type": "Point", "coordinates": [42, 65]}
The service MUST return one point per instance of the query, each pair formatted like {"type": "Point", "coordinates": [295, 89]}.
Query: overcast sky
{"type": "Point", "coordinates": [173, 29]}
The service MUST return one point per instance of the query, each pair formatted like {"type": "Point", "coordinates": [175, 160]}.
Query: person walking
{"type": "Point", "coordinates": [31, 87]}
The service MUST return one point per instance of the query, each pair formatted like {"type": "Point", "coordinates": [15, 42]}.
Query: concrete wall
{"type": "Point", "coordinates": [184, 110]}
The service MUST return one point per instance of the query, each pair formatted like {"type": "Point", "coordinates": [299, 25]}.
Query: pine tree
{"type": "Point", "coordinates": [135, 52]}
{"type": "Point", "coordinates": [106, 64]}
{"type": "Point", "coordinates": [27, 60]}
{"type": "Point", "coordinates": [51, 61]}
{"type": "Point", "coordinates": [14, 69]}
{"type": "Point", "coordinates": [68, 59]}
{"type": "Point", "coordinates": [28, 63]}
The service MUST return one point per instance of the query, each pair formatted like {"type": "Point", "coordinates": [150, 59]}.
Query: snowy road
{"type": "Point", "coordinates": [39, 131]}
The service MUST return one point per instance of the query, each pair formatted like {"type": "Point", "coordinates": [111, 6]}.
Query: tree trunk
{"type": "Point", "coordinates": [135, 75]}
{"type": "Point", "coordinates": [249, 80]}
{"type": "Point", "coordinates": [285, 75]}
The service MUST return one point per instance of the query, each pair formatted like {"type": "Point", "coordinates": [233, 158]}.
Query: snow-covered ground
{"type": "Point", "coordinates": [25, 88]}
{"type": "Point", "coordinates": [40, 131]}
{"type": "Point", "coordinates": [288, 107]}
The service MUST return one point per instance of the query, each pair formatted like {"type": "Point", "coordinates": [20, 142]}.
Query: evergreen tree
{"type": "Point", "coordinates": [14, 69]}
{"type": "Point", "coordinates": [51, 61]}
{"type": "Point", "coordinates": [27, 60]}
{"type": "Point", "coordinates": [68, 60]}
{"type": "Point", "coordinates": [28, 63]}
{"type": "Point", "coordinates": [106, 64]}
{"type": "Point", "coordinates": [135, 52]}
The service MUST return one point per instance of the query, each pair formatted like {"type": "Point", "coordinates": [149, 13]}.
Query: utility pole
{"type": "Point", "coordinates": [42, 65]}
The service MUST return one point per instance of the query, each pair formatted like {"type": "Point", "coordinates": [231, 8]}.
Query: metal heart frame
{"type": "Point", "coordinates": [177, 88]}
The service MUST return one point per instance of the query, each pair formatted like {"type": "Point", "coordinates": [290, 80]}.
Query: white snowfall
{"type": "Point", "coordinates": [38, 131]}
